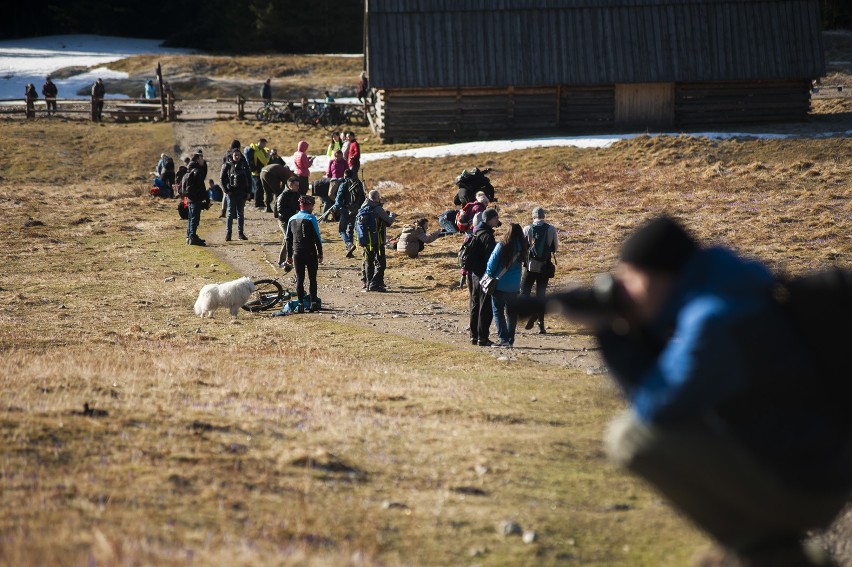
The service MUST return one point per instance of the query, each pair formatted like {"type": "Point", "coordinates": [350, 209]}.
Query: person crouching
{"type": "Point", "coordinates": [414, 238]}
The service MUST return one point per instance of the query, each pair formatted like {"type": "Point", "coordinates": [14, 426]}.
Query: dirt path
{"type": "Point", "coordinates": [404, 310]}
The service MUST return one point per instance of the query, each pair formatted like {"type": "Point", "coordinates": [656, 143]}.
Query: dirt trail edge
{"type": "Point", "coordinates": [404, 310]}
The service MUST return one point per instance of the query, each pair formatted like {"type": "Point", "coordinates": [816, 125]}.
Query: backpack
{"type": "Point", "coordinates": [463, 221]}
{"type": "Point", "coordinates": [185, 184]}
{"type": "Point", "coordinates": [182, 209]}
{"type": "Point", "coordinates": [539, 250]}
{"type": "Point", "coordinates": [366, 226]}
{"type": "Point", "coordinates": [248, 152]}
{"type": "Point", "coordinates": [292, 306]}
{"type": "Point", "coordinates": [819, 305]}
{"type": "Point", "coordinates": [168, 164]}
{"type": "Point", "coordinates": [465, 252]}
{"type": "Point", "coordinates": [236, 178]}
{"type": "Point", "coordinates": [357, 196]}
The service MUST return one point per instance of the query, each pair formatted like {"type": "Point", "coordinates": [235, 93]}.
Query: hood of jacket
{"type": "Point", "coordinates": [302, 147]}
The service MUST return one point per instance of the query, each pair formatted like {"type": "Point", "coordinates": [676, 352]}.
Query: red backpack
{"type": "Point", "coordinates": [464, 218]}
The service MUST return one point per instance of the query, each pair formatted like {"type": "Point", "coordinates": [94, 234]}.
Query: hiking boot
{"type": "Point", "coordinates": [350, 251]}
{"type": "Point", "coordinates": [379, 288]}
{"type": "Point", "coordinates": [314, 307]}
{"type": "Point", "coordinates": [474, 341]}
{"type": "Point", "coordinates": [531, 322]}
{"type": "Point", "coordinates": [227, 238]}
{"type": "Point", "coordinates": [243, 237]}
{"type": "Point", "coordinates": [501, 344]}
{"type": "Point", "coordinates": [197, 242]}
{"type": "Point", "coordinates": [221, 215]}
{"type": "Point", "coordinates": [268, 209]}
{"type": "Point", "coordinates": [541, 330]}
{"type": "Point", "coordinates": [485, 343]}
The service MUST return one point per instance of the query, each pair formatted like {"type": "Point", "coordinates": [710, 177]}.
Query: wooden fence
{"type": "Point", "coordinates": [121, 110]}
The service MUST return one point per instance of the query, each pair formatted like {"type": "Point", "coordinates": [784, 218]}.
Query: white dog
{"type": "Point", "coordinates": [232, 295]}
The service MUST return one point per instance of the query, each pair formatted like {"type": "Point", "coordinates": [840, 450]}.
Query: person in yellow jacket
{"type": "Point", "coordinates": [257, 157]}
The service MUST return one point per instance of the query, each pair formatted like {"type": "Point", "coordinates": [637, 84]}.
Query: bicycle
{"type": "Point", "coordinates": [268, 293]}
{"type": "Point", "coordinates": [266, 112]}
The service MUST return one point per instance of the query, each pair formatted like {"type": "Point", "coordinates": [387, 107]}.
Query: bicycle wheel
{"type": "Point", "coordinates": [260, 113]}
{"type": "Point", "coordinates": [266, 296]}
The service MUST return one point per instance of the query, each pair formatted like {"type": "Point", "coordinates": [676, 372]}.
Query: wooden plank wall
{"type": "Point", "coordinates": [640, 105]}
{"type": "Point", "coordinates": [706, 104]}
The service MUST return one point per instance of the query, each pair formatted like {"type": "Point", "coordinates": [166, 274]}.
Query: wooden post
{"type": "Point", "coordinates": [240, 107]}
{"type": "Point", "coordinates": [163, 114]}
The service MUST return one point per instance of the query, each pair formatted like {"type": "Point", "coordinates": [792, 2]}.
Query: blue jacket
{"type": "Point", "coordinates": [722, 349]}
{"type": "Point", "coordinates": [511, 280]}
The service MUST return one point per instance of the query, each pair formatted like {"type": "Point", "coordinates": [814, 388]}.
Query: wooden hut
{"type": "Point", "coordinates": [485, 68]}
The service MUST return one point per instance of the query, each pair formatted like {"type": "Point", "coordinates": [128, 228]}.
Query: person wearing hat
{"type": "Point", "coordinates": [375, 260]}
{"type": "Point", "coordinates": [304, 250]}
{"type": "Point", "coordinates": [541, 261]}
{"type": "Point", "coordinates": [724, 418]}
{"type": "Point", "coordinates": [481, 313]}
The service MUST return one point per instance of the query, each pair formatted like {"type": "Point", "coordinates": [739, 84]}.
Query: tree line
{"type": "Point", "coordinates": [218, 26]}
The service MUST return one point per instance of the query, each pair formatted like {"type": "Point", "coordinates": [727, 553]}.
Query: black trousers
{"type": "Point", "coordinates": [540, 282]}
{"type": "Point", "coordinates": [309, 262]}
{"type": "Point", "coordinates": [375, 262]}
{"type": "Point", "coordinates": [481, 312]}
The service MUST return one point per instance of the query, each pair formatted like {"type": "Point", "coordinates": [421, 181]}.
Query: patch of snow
{"type": "Point", "coordinates": [30, 60]}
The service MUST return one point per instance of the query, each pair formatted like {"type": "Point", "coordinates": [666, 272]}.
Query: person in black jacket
{"type": "Point", "coordinates": [98, 93]}
{"type": "Point", "coordinates": [266, 91]}
{"type": "Point", "coordinates": [196, 196]}
{"type": "Point", "coordinates": [49, 90]}
{"type": "Point", "coordinates": [304, 249]}
{"type": "Point", "coordinates": [286, 205]}
{"type": "Point", "coordinates": [481, 313]}
{"type": "Point", "coordinates": [235, 178]}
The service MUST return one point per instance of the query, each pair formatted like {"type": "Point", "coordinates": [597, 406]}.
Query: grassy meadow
{"type": "Point", "coordinates": [303, 441]}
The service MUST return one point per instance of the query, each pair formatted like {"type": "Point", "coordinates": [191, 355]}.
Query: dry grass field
{"type": "Point", "coordinates": [133, 433]}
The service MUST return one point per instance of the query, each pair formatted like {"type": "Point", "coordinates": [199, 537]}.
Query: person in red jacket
{"type": "Point", "coordinates": [354, 155]}
{"type": "Point", "coordinates": [302, 166]}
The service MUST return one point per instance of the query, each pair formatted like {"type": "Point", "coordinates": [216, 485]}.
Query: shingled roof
{"type": "Point", "coordinates": [501, 43]}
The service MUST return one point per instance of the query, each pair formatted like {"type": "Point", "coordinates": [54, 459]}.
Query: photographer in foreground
{"type": "Point", "coordinates": [727, 417]}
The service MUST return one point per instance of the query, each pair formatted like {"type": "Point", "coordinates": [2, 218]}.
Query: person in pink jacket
{"type": "Point", "coordinates": [337, 166]}
{"type": "Point", "coordinates": [302, 165]}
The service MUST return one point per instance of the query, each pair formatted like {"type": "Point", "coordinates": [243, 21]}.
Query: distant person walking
{"type": "Point", "coordinates": [50, 91]}
{"type": "Point", "coordinates": [98, 93]}
{"type": "Point", "coordinates": [30, 95]}
{"type": "Point", "coordinates": [266, 91]}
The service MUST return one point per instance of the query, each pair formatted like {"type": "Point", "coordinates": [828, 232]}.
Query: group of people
{"type": "Point", "coordinates": [49, 91]}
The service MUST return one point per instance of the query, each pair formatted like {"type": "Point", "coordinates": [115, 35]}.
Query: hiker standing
{"type": "Point", "coordinates": [150, 90]}
{"type": "Point", "coordinates": [334, 145]}
{"type": "Point", "coordinates": [541, 265]}
{"type": "Point", "coordinates": [482, 245]}
{"type": "Point", "coordinates": [504, 265]}
{"type": "Point", "coordinates": [257, 158]}
{"type": "Point", "coordinates": [266, 91]}
{"type": "Point", "coordinates": [30, 95]}
{"type": "Point", "coordinates": [98, 94]}
{"type": "Point", "coordinates": [302, 165]}
{"type": "Point", "coordinates": [286, 205]}
{"type": "Point", "coordinates": [304, 249]}
{"type": "Point", "coordinates": [49, 91]}
{"type": "Point", "coordinates": [196, 195]}
{"type": "Point", "coordinates": [235, 178]}
{"type": "Point", "coordinates": [353, 154]}
{"type": "Point", "coordinates": [372, 221]}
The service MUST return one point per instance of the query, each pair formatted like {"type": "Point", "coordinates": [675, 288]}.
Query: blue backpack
{"type": "Point", "coordinates": [365, 224]}
{"type": "Point", "coordinates": [291, 307]}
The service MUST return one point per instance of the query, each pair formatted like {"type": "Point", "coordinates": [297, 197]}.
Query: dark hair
{"type": "Point", "coordinates": [513, 241]}
{"type": "Point", "coordinates": [421, 222]}
{"type": "Point", "coordinates": [293, 178]}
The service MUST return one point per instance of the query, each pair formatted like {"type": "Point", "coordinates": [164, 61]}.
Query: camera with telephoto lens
{"type": "Point", "coordinates": [601, 303]}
